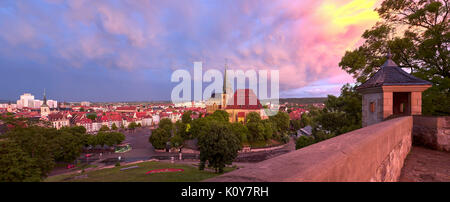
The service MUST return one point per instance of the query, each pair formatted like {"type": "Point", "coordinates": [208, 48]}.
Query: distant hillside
{"type": "Point", "coordinates": [303, 100]}
{"type": "Point", "coordinates": [5, 101]}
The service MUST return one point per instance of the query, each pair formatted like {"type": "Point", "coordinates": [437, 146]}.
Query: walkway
{"type": "Point", "coordinates": [426, 165]}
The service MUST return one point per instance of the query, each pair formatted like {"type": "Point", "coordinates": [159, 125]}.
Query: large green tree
{"type": "Point", "coordinates": [161, 135]}
{"type": "Point", "coordinates": [219, 147]}
{"type": "Point", "coordinates": [16, 165]}
{"type": "Point", "coordinates": [32, 146]}
{"type": "Point", "coordinates": [418, 35]}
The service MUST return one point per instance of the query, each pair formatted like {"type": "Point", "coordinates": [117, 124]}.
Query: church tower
{"type": "Point", "coordinates": [226, 91]}
{"type": "Point", "coordinates": [45, 109]}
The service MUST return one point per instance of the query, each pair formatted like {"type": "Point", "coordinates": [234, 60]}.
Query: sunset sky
{"type": "Point", "coordinates": [114, 50]}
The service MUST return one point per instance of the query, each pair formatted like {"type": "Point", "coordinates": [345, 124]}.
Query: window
{"type": "Point", "coordinates": [372, 106]}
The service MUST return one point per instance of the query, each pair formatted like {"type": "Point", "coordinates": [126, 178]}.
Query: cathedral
{"type": "Point", "coordinates": [237, 104]}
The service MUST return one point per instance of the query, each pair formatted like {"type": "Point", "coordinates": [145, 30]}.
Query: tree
{"type": "Point", "coordinates": [159, 138]}
{"type": "Point", "coordinates": [253, 117]}
{"type": "Point", "coordinates": [340, 115]}
{"type": "Point", "coordinates": [16, 165]}
{"type": "Point", "coordinates": [114, 126]}
{"type": "Point", "coordinates": [200, 127]}
{"type": "Point", "coordinates": [186, 118]}
{"type": "Point", "coordinates": [68, 146]}
{"type": "Point", "coordinates": [268, 130]}
{"type": "Point", "coordinates": [161, 135]}
{"type": "Point", "coordinates": [256, 131]}
{"type": "Point", "coordinates": [241, 132]}
{"type": "Point", "coordinates": [304, 141]}
{"type": "Point", "coordinates": [177, 141]}
{"type": "Point", "coordinates": [296, 124]}
{"type": "Point", "coordinates": [220, 147]}
{"type": "Point", "coordinates": [166, 124]}
{"type": "Point", "coordinates": [38, 143]}
{"type": "Point", "coordinates": [280, 122]}
{"type": "Point", "coordinates": [113, 138]}
{"type": "Point", "coordinates": [92, 116]}
{"type": "Point", "coordinates": [132, 125]}
{"type": "Point", "coordinates": [418, 35]}
{"type": "Point", "coordinates": [104, 128]}
{"type": "Point", "coordinates": [220, 115]}
{"type": "Point", "coordinates": [101, 138]}
{"type": "Point", "coordinates": [181, 129]}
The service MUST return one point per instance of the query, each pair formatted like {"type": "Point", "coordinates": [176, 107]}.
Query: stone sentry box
{"type": "Point", "coordinates": [391, 92]}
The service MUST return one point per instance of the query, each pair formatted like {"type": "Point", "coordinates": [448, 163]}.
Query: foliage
{"type": "Point", "coordinates": [181, 130]}
{"type": "Point", "coordinates": [304, 141]}
{"type": "Point", "coordinates": [177, 141]}
{"type": "Point", "coordinates": [165, 124]}
{"type": "Point", "coordinates": [219, 147]}
{"type": "Point", "coordinates": [132, 125]}
{"type": "Point", "coordinates": [280, 122]}
{"type": "Point", "coordinates": [35, 149]}
{"type": "Point", "coordinates": [256, 131]}
{"type": "Point", "coordinates": [220, 115]}
{"type": "Point", "coordinates": [104, 128]}
{"type": "Point", "coordinates": [161, 135]}
{"type": "Point", "coordinates": [159, 138]}
{"type": "Point", "coordinates": [296, 124]}
{"type": "Point", "coordinates": [114, 126]}
{"type": "Point", "coordinates": [340, 115]}
{"type": "Point", "coordinates": [418, 35]}
{"type": "Point", "coordinates": [106, 138]}
{"type": "Point", "coordinates": [253, 117]}
{"type": "Point", "coordinates": [240, 131]}
{"type": "Point", "coordinates": [268, 130]}
{"type": "Point", "coordinates": [92, 116]}
{"type": "Point", "coordinates": [16, 165]}
{"type": "Point", "coordinates": [186, 118]}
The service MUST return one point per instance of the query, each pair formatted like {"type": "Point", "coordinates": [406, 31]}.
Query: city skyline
{"type": "Point", "coordinates": [127, 50]}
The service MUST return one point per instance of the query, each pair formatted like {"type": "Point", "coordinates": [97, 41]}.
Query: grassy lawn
{"type": "Point", "coordinates": [190, 174]}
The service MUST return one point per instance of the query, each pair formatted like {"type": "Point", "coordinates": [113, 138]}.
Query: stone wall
{"type": "Point", "coordinates": [368, 117]}
{"type": "Point", "coordinates": [432, 132]}
{"type": "Point", "coordinates": [373, 153]}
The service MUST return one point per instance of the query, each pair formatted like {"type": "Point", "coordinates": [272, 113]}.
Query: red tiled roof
{"type": "Point", "coordinates": [126, 108]}
{"type": "Point", "coordinates": [245, 99]}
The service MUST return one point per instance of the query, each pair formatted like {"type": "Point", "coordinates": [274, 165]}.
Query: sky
{"type": "Point", "coordinates": [126, 50]}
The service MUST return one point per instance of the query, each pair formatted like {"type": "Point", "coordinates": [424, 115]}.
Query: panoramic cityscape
{"type": "Point", "coordinates": [224, 91]}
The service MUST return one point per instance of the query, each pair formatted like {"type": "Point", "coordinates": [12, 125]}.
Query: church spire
{"type": "Point", "coordinates": [225, 77]}
{"type": "Point", "coordinates": [44, 103]}
{"type": "Point", "coordinates": [45, 98]}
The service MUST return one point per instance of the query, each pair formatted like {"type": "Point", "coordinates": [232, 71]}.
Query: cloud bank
{"type": "Point", "coordinates": [147, 40]}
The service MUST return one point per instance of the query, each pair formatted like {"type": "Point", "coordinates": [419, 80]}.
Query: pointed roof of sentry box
{"type": "Point", "coordinates": [391, 75]}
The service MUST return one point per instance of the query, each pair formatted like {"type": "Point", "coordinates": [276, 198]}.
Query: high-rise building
{"type": "Point", "coordinates": [26, 100]}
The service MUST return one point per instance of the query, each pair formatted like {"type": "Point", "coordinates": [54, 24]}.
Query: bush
{"type": "Point", "coordinates": [304, 141]}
